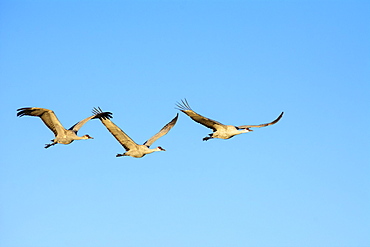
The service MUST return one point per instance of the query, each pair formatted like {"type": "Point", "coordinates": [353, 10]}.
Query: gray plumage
{"type": "Point", "coordinates": [132, 148]}
{"type": "Point", "coordinates": [62, 135]}
{"type": "Point", "coordinates": [220, 130]}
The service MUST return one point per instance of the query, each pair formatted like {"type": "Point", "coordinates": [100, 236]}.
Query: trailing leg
{"type": "Point", "coordinates": [49, 145]}
{"type": "Point", "coordinates": [208, 137]}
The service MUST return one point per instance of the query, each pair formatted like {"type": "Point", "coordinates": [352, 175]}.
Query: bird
{"type": "Point", "coordinates": [62, 135]}
{"type": "Point", "coordinates": [219, 130]}
{"type": "Point", "coordinates": [132, 148]}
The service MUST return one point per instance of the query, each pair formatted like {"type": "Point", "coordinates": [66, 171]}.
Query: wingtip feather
{"type": "Point", "coordinates": [24, 111]}
{"type": "Point", "coordinates": [183, 105]}
{"type": "Point", "coordinates": [98, 112]}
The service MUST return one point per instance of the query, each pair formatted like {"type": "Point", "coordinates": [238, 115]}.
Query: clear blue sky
{"type": "Point", "coordinates": [302, 182]}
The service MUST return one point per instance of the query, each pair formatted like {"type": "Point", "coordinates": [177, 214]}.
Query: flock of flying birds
{"type": "Point", "coordinates": [66, 136]}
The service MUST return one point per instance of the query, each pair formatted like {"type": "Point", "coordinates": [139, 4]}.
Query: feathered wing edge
{"type": "Point", "coordinates": [47, 116]}
{"type": "Point", "coordinates": [119, 134]}
{"type": "Point", "coordinates": [262, 125]}
{"type": "Point", "coordinates": [207, 122]}
{"type": "Point", "coordinates": [98, 114]}
{"type": "Point", "coordinates": [162, 132]}
{"type": "Point", "coordinates": [183, 105]}
{"type": "Point", "coordinates": [78, 125]}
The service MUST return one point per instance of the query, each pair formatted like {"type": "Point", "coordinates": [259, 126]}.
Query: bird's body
{"type": "Point", "coordinates": [132, 148]}
{"type": "Point", "coordinates": [227, 131]}
{"type": "Point", "coordinates": [140, 151]}
{"type": "Point", "coordinates": [62, 135]}
{"type": "Point", "coordinates": [68, 137]}
{"type": "Point", "coordinates": [220, 130]}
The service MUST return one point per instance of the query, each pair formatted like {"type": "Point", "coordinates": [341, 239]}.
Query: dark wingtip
{"type": "Point", "coordinates": [23, 111]}
{"type": "Point", "coordinates": [174, 120]}
{"type": "Point", "coordinates": [278, 118]}
{"type": "Point", "coordinates": [104, 115]}
{"type": "Point", "coordinates": [183, 105]}
{"type": "Point", "coordinates": [100, 114]}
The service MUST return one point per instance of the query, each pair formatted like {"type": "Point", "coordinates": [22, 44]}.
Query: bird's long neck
{"type": "Point", "coordinates": [151, 150]}
{"type": "Point", "coordinates": [245, 130]}
{"type": "Point", "coordinates": [82, 137]}
{"type": "Point", "coordinates": [241, 131]}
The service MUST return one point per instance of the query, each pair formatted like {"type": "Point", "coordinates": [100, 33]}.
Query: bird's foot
{"type": "Point", "coordinates": [206, 138]}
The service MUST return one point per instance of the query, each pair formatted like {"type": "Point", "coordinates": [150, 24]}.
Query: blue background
{"type": "Point", "coordinates": [301, 182]}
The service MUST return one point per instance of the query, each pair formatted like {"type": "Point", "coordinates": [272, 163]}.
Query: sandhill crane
{"type": "Point", "coordinates": [62, 135]}
{"type": "Point", "coordinates": [219, 130]}
{"type": "Point", "coordinates": [133, 149]}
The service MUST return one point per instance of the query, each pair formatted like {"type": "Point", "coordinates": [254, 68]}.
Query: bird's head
{"type": "Point", "coordinates": [159, 148]}
{"type": "Point", "coordinates": [87, 137]}
{"type": "Point", "coordinates": [245, 130]}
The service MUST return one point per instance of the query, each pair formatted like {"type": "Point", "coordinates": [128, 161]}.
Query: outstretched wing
{"type": "Point", "coordinates": [261, 125]}
{"type": "Point", "coordinates": [162, 132]}
{"type": "Point", "coordinates": [78, 125]}
{"type": "Point", "coordinates": [47, 116]}
{"type": "Point", "coordinates": [185, 108]}
{"type": "Point", "coordinates": [121, 136]}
